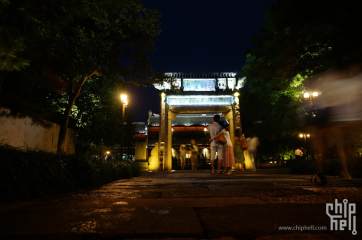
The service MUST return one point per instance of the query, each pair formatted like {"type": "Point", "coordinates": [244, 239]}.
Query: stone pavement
{"type": "Point", "coordinates": [187, 205]}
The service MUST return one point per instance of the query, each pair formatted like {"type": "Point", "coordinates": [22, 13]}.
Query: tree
{"type": "Point", "coordinates": [129, 134]}
{"type": "Point", "coordinates": [98, 112]}
{"type": "Point", "coordinates": [11, 44]}
{"type": "Point", "coordinates": [79, 39]}
{"type": "Point", "coordinates": [299, 39]}
{"type": "Point", "coordinates": [304, 37]}
{"type": "Point", "coordinates": [272, 114]}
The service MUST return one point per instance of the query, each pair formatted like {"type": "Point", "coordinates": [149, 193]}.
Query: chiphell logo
{"type": "Point", "coordinates": [342, 215]}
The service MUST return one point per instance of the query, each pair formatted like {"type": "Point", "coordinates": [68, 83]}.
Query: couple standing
{"type": "Point", "coordinates": [225, 152]}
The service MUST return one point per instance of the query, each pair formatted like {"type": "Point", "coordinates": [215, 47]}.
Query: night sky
{"type": "Point", "coordinates": [198, 36]}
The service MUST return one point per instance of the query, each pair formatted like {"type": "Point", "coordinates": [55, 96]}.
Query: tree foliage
{"type": "Point", "coordinates": [299, 39]}
{"type": "Point", "coordinates": [66, 42]}
{"type": "Point", "coordinates": [98, 112]}
{"type": "Point", "coordinates": [272, 114]}
{"type": "Point", "coordinates": [305, 37]}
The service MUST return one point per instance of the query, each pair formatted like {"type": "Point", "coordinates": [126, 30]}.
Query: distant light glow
{"type": "Point", "coordinates": [205, 129]}
{"type": "Point", "coordinates": [301, 135]}
{"type": "Point", "coordinates": [315, 94]}
{"type": "Point", "coordinates": [308, 135]}
{"type": "Point", "coordinates": [236, 94]}
{"type": "Point", "coordinates": [108, 152]}
{"type": "Point", "coordinates": [306, 95]}
{"type": "Point", "coordinates": [163, 94]}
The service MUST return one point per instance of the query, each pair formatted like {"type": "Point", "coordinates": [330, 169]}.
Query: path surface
{"type": "Point", "coordinates": [250, 205]}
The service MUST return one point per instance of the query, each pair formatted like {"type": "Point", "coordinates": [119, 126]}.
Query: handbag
{"type": "Point", "coordinates": [244, 144]}
{"type": "Point", "coordinates": [221, 139]}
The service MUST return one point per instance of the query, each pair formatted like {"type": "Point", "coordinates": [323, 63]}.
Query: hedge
{"type": "Point", "coordinates": [29, 174]}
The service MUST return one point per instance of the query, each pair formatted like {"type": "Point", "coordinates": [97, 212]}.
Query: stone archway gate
{"type": "Point", "coordinates": [195, 93]}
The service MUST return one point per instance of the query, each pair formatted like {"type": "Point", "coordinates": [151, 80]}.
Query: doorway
{"type": "Point", "coordinates": [189, 126]}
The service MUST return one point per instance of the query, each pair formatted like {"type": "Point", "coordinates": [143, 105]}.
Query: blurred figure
{"type": "Point", "coordinates": [239, 140]}
{"type": "Point", "coordinates": [188, 155]}
{"type": "Point", "coordinates": [252, 148]}
{"type": "Point", "coordinates": [194, 154]}
{"type": "Point", "coordinates": [202, 159]}
{"type": "Point", "coordinates": [340, 119]}
{"type": "Point", "coordinates": [183, 156]}
{"type": "Point", "coordinates": [298, 154]}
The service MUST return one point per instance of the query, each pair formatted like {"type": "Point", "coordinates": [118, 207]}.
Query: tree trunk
{"type": "Point", "coordinates": [62, 148]}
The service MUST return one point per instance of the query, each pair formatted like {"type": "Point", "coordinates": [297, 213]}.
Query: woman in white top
{"type": "Point", "coordinates": [228, 151]}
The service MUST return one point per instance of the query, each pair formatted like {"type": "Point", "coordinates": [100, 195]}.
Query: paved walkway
{"type": "Point", "coordinates": [187, 204]}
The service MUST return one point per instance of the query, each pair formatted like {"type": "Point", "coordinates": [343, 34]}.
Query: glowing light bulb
{"type": "Point", "coordinates": [123, 97]}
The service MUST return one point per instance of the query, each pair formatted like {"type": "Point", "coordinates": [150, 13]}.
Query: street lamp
{"type": "Point", "coordinates": [124, 102]}
{"type": "Point", "coordinates": [310, 96]}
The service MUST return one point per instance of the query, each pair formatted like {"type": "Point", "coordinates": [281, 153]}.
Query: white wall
{"type": "Point", "coordinates": [22, 133]}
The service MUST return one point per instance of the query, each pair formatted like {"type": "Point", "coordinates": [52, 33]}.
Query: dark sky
{"type": "Point", "coordinates": [198, 36]}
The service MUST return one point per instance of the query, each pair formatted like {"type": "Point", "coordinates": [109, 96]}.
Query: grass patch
{"type": "Point", "coordinates": [29, 174]}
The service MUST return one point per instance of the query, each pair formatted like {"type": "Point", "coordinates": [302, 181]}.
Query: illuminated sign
{"type": "Point", "coordinates": [199, 100]}
{"type": "Point", "coordinates": [202, 84]}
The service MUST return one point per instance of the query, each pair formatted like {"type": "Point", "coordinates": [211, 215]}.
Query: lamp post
{"type": "Point", "coordinates": [309, 96]}
{"type": "Point", "coordinates": [305, 136]}
{"type": "Point", "coordinates": [124, 105]}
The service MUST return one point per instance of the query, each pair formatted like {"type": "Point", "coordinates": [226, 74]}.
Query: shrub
{"type": "Point", "coordinates": [27, 174]}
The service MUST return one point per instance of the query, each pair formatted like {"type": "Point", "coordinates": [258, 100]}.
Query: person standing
{"type": "Point", "coordinates": [298, 154]}
{"type": "Point", "coordinates": [239, 150]}
{"type": "Point", "coordinates": [194, 154]}
{"type": "Point", "coordinates": [252, 148]}
{"type": "Point", "coordinates": [183, 156]}
{"type": "Point", "coordinates": [228, 151]}
{"type": "Point", "coordinates": [213, 130]}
